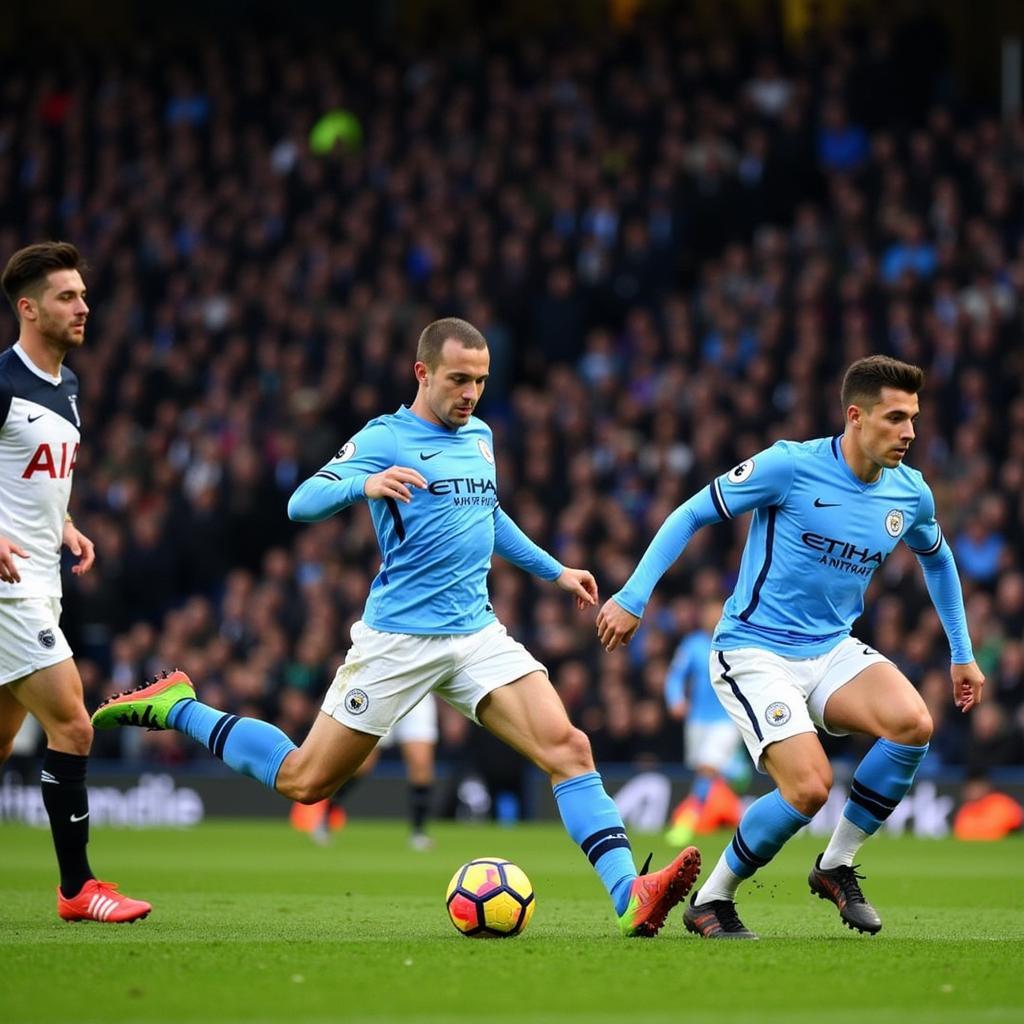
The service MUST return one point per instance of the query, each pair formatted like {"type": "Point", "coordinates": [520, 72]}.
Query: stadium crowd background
{"type": "Point", "coordinates": [673, 246]}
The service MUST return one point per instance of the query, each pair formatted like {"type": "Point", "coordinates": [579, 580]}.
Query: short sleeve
{"type": "Point", "coordinates": [759, 482]}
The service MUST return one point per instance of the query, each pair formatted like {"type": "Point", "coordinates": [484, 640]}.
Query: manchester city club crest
{"type": "Point", "coordinates": [894, 522]}
{"type": "Point", "coordinates": [356, 701]}
{"type": "Point", "coordinates": [485, 451]}
{"type": "Point", "coordinates": [777, 713]}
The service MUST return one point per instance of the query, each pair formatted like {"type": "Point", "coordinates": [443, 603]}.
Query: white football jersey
{"type": "Point", "coordinates": [39, 436]}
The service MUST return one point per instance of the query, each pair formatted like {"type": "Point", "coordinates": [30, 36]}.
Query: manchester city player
{"type": "Point", "coordinates": [39, 437]}
{"type": "Point", "coordinates": [826, 515]}
{"type": "Point", "coordinates": [428, 472]}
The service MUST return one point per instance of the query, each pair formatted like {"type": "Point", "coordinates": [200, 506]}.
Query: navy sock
{"type": "Point", "coordinates": [248, 745]}
{"type": "Point", "coordinates": [766, 825]}
{"type": "Point", "coordinates": [880, 783]}
{"type": "Point", "coordinates": [592, 820]}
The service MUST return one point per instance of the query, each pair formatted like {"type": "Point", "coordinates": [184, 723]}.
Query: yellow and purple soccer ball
{"type": "Point", "coordinates": [490, 898]}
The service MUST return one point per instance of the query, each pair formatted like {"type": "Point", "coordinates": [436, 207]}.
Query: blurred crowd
{"type": "Point", "coordinates": [673, 245]}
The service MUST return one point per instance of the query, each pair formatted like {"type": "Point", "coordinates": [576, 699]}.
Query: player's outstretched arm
{"type": "Point", "coordinates": [581, 584]}
{"type": "Point", "coordinates": [8, 568]}
{"type": "Point", "coordinates": [968, 683]}
{"type": "Point", "coordinates": [78, 544]}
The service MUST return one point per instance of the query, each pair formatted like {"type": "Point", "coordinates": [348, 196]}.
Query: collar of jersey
{"type": "Point", "coordinates": [850, 475]}
{"type": "Point", "coordinates": [405, 413]}
{"type": "Point", "coordinates": [32, 368]}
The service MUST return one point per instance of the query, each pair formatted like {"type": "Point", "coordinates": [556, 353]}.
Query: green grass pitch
{"type": "Point", "coordinates": [253, 923]}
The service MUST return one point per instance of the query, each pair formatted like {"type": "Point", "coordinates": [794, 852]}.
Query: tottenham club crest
{"type": "Point", "coordinates": [485, 451]}
{"type": "Point", "coordinates": [345, 452]}
{"type": "Point", "coordinates": [46, 639]}
{"type": "Point", "coordinates": [356, 701]}
{"type": "Point", "coordinates": [777, 713]}
{"type": "Point", "coordinates": [894, 522]}
{"type": "Point", "coordinates": [740, 473]}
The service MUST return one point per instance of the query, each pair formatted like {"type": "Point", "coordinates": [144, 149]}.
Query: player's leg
{"type": "Point", "coordinates": [12, 715]}
{"type": "Point", "coordinates": [54, 696]}
{"type": "Point", "coordinates": [418, 756]}
{"type": "Point", "coordinates": [416, 735]}
{"type": "Point", "coordinates": [529, 715]}
{"type": "Point", "coordinates": [762, 695]}
{"type": "Point", "coordinates": [879, 701]}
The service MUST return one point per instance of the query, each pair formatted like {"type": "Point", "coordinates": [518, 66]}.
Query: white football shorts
{"type": "Point", "coordinates": [419, 725]}
{"type": "Point", "coordinates": [30, 636]}
{"type": "Point", "coordinates": [710, 744]}
{"type": "Point", "coordinates": [771, 697]}
{"type": "Point", "coordinates": [385, 675]}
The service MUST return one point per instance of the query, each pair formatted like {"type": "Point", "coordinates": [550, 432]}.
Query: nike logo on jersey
{"type": "Point", "coordinates": [79, 817]}
{"type": "Point", "coordinates": [818, 503]}
{"type": "Point", "coordinates": [32, 419]}
{"type": "Point", "coordinates": [425, 456]}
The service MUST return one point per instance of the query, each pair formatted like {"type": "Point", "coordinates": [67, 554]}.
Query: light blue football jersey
{"type": "Point", "coordinates": [817, 536]}
{"type": "Point", "coordinates": [435, 550]}
{"type": "Point", "coordinates": [690, 664]}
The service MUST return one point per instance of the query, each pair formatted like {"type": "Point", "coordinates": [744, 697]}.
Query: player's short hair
{"type": "Point", "coordinates": [864, 379]}
{"type": "Point", "coordinates": [26, 270]}
{"type": "Point", "coordinates": [434, 335]}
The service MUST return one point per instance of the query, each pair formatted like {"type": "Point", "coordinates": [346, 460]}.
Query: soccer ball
{"type": "Point", "coordinates": [490, 898]}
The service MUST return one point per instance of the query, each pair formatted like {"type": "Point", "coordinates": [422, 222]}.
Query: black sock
{"type": "Point", "coordinates": [419, 806]}
{"type": "Point", "coordinates": [67, 804]}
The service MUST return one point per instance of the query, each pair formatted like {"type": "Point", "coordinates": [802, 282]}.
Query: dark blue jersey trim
{"type": "Point", "coordinates": [835, 447]}
{"type": "Point", "coordinates": [717, 501]}
{"type": "Point", "coordinates": [769, 544]}
{"type": "Point", "coordinates": [396, 517]}
{"type": "Point", "coordinates": [18, 381]}
{"type": "Point", "coordinates": [924, 552]}
{"type": "Point", "coordinates": [737, 693]}
{"type": "Point", "coordinates": [327, 476]}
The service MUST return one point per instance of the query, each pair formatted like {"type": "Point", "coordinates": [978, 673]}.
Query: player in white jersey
{"type": "Point", "coordinates": [39, 437]}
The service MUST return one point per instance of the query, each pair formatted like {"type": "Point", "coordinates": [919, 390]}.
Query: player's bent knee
{"type": "Point", "coordinates": [915, 729]}
{"type": "Point", "coordinates": [570, 756]}
{"type": "Point", "coordinates": [73, 737]}
{"type": "Point", "coordinates": [808, 794]}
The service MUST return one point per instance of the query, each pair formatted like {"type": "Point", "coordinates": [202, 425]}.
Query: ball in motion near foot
{"type": "Point", "coordinates": [490, 898]}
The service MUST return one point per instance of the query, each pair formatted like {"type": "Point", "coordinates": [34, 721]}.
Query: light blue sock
{"type": "Point", "coordinates": [766, 825]}
{"type": "Point", "coordinates": [701, 788]}
{"type": "Point", "coordinates": [248, 745]}
{"type": "Point", "coordinates": [592, 820]}
{"type": "Point", "coordinates": [880, 782]}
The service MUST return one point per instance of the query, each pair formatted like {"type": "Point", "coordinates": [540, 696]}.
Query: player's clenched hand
{"type": "Point", "coordinates": [78, 544]}
{"type": "Point", "coordinates": [580, 583]}
{"type": "Point", "coordinates": [968, 683]}
{"type": "Point", "coordinates": [615, 625]}
{"type": "Point", "coordinates": [8, 570]}
{"type": "Point", "coordinates": [394, 483]}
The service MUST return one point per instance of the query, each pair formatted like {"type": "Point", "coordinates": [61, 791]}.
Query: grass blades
{"type": "Point", "coordinates": [254, 923]}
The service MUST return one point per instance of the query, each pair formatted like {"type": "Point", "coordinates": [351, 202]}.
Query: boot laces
{"type": "Point", "coordinates": [849, 882]}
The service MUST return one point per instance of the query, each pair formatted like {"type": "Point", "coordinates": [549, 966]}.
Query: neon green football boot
{"type": "Point", "coordinates": [653, 896]}
{"type": "Point", "coordinates": [147, 705]}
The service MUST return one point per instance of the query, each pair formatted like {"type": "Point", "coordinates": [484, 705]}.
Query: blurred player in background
{"type": "Point", "coordinates": [39, 438]}
{"type": "Point", "coordinates": [415, 735]}
{"type": "Point", "coordinates": [429, 473]}
{"type": "Point", "coordinates": [712, 744]}
{"type": "Point", "coordinates": [826, 515]}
